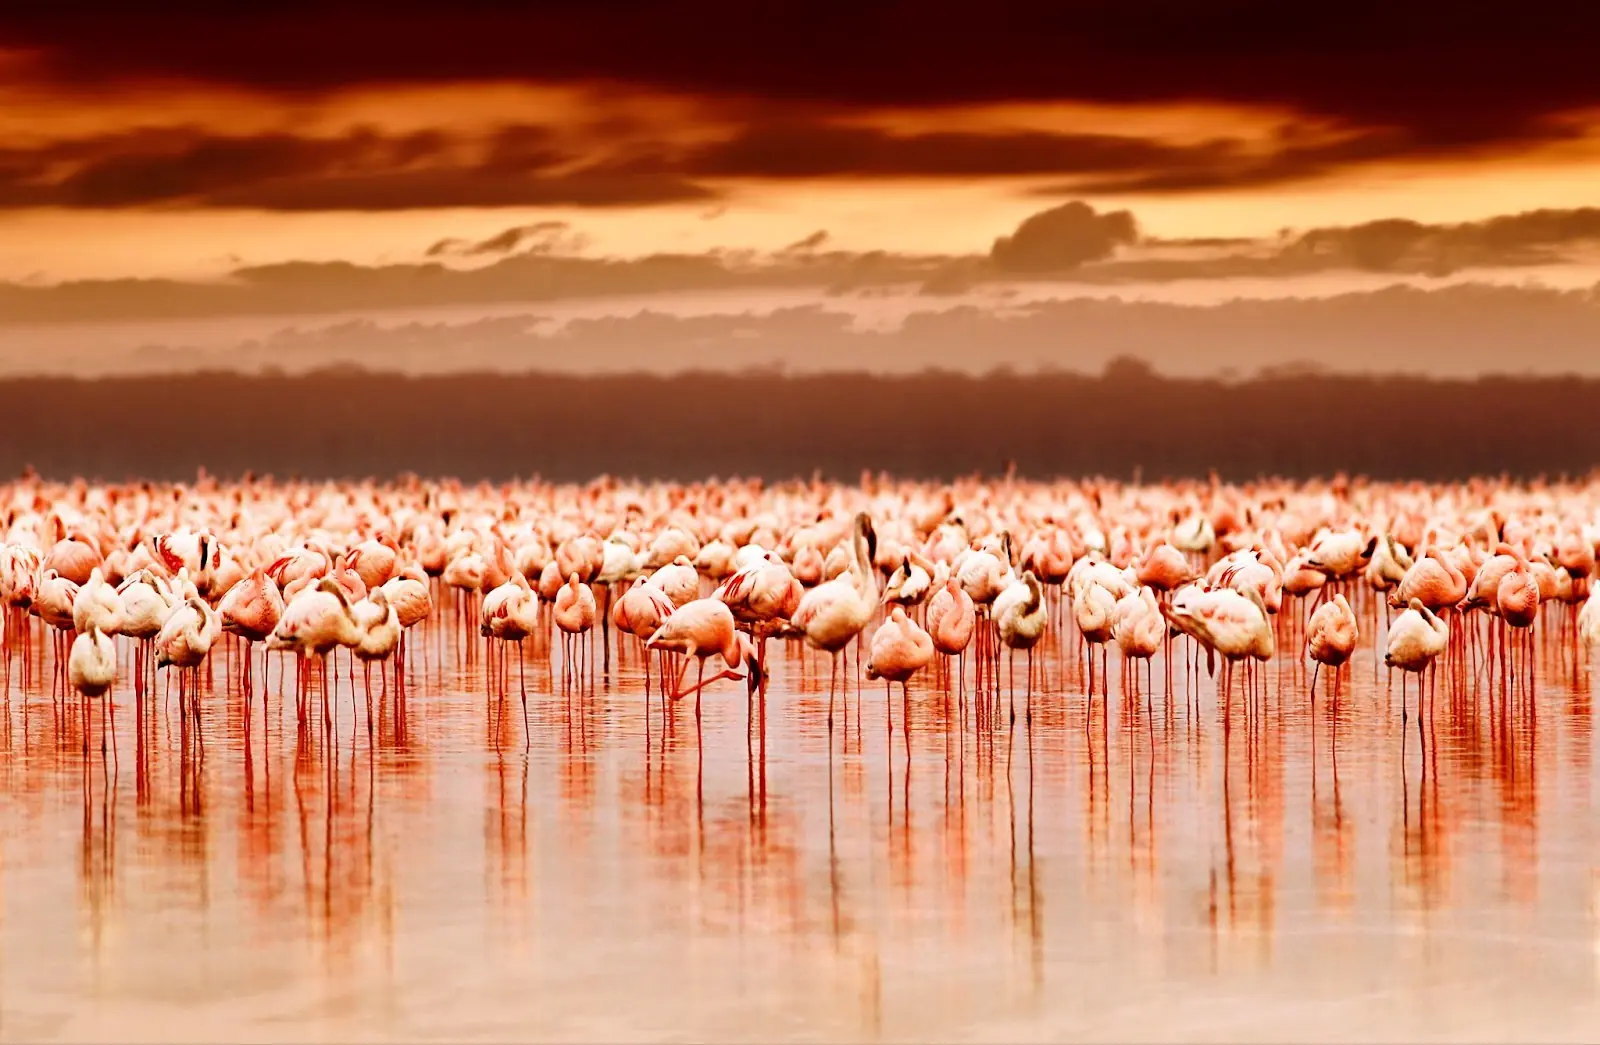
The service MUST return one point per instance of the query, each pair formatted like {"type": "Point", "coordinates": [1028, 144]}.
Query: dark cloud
{"type": "Point", "coordinates": [1442, 71]}
{"type": "Point", "coordinates": [1397, 244]}
{"type": "Point", "coordinates": [526, 165]}
{"type": "Point", "coordinates": [807, 244]}
{"type": "Point", "coordinates": [360, 170]}
{"type": "Point", "coordinates": [1063, 237]}
{"type": "Point", "coordinates": [541, 237]}
{"type": "Point", "coordinates": [821, 149]}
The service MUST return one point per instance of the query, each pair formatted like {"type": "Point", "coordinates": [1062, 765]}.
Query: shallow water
{"type": "Point", "coordinates": [1177, 874]}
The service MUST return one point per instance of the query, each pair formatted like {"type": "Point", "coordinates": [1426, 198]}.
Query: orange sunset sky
{"type": "Point", "coordinates": [197, 160]}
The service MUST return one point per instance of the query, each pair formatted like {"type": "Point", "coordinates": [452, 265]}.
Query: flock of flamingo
{"type": "Point", "coordinates": [915, 577]}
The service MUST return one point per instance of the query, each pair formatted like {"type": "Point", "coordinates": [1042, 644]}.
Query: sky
{"type": "Point", "coordinates": [188, 162]}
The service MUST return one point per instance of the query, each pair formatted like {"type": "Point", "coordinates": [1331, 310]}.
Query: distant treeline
{"type": "Point", "coordinates": [341, 423]}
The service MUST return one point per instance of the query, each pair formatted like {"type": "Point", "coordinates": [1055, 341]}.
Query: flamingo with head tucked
{"type": "Point", "coordinates": [1331, 637]}
{"type": "Point", "coordinates": [314, 623]}
{"type": "Point", "coordinates": [1416, 639]}
{"type": "Point", "coordinates": [92, 671]}
{"type": "Point", "coordinates": [251, 609]}
{"type": "Point", "coordinates": [575, 613]}
{"type": "Point", "coordinates": [184, 642]}
{"type": "Point", "coordinates": [1020, 619]}
{"type": "Point", "coordinates": [900, 649]}
{"type": "Point", "coordinates": [952, 619]}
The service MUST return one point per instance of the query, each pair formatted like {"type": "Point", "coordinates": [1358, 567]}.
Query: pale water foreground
{"type": "Point", "coordinates": [1150, 878]}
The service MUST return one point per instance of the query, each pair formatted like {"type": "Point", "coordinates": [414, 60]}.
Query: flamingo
{"type": "Point", "coordinates": [375, 560]}
{"type": "Point", "coordinates": [52, 603]}
{"type": "Point", "coordinates": [1517, 597]}
{"type": "Point", "coordinates": [1138, 628]}
{"type": "Point", "coordinates": [1388, 565]}
{"type": "Point", "coordinates": [909, 584]}
{"type": "Point", "coordinates": [1589, 620]}
{"type": "Point", "coordinates": [92, 670]}
{"type": "Point", "coordinates": [314, 622]}
{"type": "Point", "coordinates": [379, 625]}
{"type": "Point", "coordinates": [574, 613]}
{"type": "Point", "coordinates": [1416, 638]}
{"type": "Point", "coordinates": [952, 618]}
{"type": "Point", "coordinates": [407, 591]}
{"type": "Point", "coordinates": [511, 614]}
{"type": "Point", "coordinates": [145, 607]}
{"type": "Point", "coordinates": [73, 557]}
{"type": "Point", "coordinates": [900, 649]}
{"type": "Point", "coordinates": [251, 609]}
{"type": "Point", "coordinates": [1092, 607]}
{"type": "Point", "coordinates": [701, 629]}
{"type": "Point", "coordinates": [834, 612]}
{"type": "Point", "coordinates": [640, 612]}
{"type": "Point", "coordinates": [620, 562]}
{"type": "Point", "coordinates": [1164, 568]}
{"type": "Point", "coordinates": [1227, 623]}
{"type": "Point", "coordinates": [1331, 637]}
{"type": "Point", "coordinates": [984, 572]}
{"type": "Point", "coordinates": [680, 580]}
{"type": "Point", "coordinates": [763, 596]}
{"type": "Point", "coordinates": [184, 642]}
{"type": "Point", "coordinates": [1020, 616]}
{"type": "Point", "coordinates": [97, 606]}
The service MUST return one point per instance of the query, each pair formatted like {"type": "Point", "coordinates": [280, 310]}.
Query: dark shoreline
{"type": "Point", "coordinates": [349, 422]}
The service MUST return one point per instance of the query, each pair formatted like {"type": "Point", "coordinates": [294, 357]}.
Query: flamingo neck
{"type": "Point", "coordinates": [869, 581]}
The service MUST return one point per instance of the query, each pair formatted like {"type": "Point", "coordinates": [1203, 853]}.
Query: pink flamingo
{"type": "Point", "coordinates": [952, 618]}
{"type": "Point", "coordinates": [900, 649]}
{"type": "Point", "coordinates": [251, 610]}
{"type": "Point", "coordinates": [575, 614]}
{"type": "Point", "coordinates": [705, 628]}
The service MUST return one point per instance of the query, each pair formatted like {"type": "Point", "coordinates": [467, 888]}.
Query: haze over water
{"type": "Point", "coordinates": [1152, 877]}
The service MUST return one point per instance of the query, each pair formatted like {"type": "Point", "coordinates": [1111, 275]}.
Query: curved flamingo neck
{"type": "Point", "coordinates": [868, 582]}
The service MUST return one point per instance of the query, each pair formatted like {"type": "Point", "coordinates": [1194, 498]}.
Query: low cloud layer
{"type": "Point", "coordinates": [1459, 331]}
{"type": "Point", "coordinates": [1070, 243]}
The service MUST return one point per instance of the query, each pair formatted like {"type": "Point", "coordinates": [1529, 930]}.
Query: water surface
{"type": "Point", "coordinates": [1168, 874]}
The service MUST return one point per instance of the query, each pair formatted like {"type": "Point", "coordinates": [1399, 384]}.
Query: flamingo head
{"type": "Point", "coordinates": [744, 651]}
